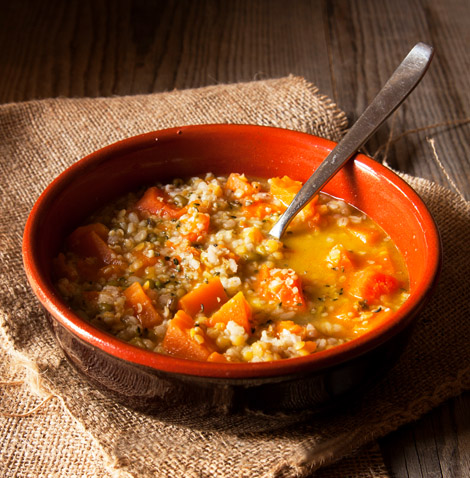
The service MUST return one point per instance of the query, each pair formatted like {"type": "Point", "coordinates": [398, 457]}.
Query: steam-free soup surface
{"type": "Point", "coordinates": [188, 269]}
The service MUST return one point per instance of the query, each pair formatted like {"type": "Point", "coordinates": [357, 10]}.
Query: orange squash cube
{"type": "Point", "coordinates": [236, 309]}
{"type": "Point", "coordinates": [179, 343]}
{"type": "Point", "coordinates": [137, 299]}
{"type": "Point", "coordinates": [206, 298]}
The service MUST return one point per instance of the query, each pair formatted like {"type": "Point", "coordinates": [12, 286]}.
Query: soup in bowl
{"type": "Point", "coordinates": [153, 259]}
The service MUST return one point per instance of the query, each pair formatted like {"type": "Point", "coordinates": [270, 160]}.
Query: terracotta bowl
{"type": "Point", "coordinates": [179, 389]}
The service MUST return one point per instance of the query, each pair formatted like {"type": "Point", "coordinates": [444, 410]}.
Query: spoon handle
{"type": "Point", "coordinates": [397, 88]}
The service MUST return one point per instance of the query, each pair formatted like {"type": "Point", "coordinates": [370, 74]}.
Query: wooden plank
{"type": "Point", "coordinates": [436, 446]}
{"type": "Point", "coordinates": [90, 49]}
{"type": "Point", "coordinates": [368, 39]}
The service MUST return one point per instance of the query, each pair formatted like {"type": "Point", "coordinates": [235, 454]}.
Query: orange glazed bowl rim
{"type": "Point", "coordinates": [258, 137]}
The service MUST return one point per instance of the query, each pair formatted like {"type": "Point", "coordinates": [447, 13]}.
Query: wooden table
{"type": "Point", "coordinates": [347, 48]}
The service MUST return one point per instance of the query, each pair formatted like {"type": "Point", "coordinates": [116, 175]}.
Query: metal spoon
{"type": "Point", "coordinates": [397, 88]}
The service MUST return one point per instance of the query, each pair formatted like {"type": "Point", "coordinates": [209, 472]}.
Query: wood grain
{"type": "Point", "coordinates": [369, 39]}
{"type": "Point", "coordinates": [348, 48]}
{"type": "Point", "coordinates": [435, 446]}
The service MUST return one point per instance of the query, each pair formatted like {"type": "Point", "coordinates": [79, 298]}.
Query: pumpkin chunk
{"type": "Point", "coordinates": [195, 227]}
{"type": "Point", "coordinates": [206, 298]}
{"type": "Point", "coordinates": [90, 241]}
{"type": "Point", "coordinates": [137, 299]}
{"type": "Point", "coordinates": [154, 202]}
{"type": "Point", "coordinates": [241, 186]}
{"type": "Point", "coordinates": [366, 235]}
{"type": "Point", "coordinates": [285, 189]}
{"type": "Point", "coordinates": [291, 327]}
{"type": "Point", "coordinates": [371, 284]}
{"type": "Point", "coordinates": [280, 285]}
{"type": "Point", "coordinates": [180, 342]}
{"type": "Point", "coordinates": [236, 309]}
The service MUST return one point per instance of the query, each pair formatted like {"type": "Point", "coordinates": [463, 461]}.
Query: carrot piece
{"type": "Point", "coordinates": [178, 340]}
{"type": "Point", "coordinates": [94, 246]}
{"type": "Point", "coordinates": [280, 285]}
{"type": "Point", "coordinates": [137, 299]}
{"type": "Point", "coordinates": [95, 258]}
{"type": "Point", "coordinates": [240, 185]}
{"type": "Point", "coordinates": [236, 309]}
{"type": "Point", "coordinates": [366, 235]}
{"type": "Point", "coordinates": [217, 358]}
{"type": "Point", "coordinates": [206, 298]}
{"type": "Point", "coordinates": [92, 269]}
{"type": "Point", "coordinates": [154, 202]}
{"type": "Point", "coordinates": [370, 284]}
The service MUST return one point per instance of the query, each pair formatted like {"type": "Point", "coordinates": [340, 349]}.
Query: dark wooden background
{"type": "Point", "coordinates": [347, 48]}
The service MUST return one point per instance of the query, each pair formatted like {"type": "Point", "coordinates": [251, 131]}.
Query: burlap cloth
{"type": "Point", "coordinates": [53, 424]}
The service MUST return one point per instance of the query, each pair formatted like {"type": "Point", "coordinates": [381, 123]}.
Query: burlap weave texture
{"type": "Point", "coordinates": [86, 434]}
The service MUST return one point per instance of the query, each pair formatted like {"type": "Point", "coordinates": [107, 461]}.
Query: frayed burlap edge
{"type": "Point", "coordinates": [319, 457]}
{"type": "Point", "coordinates": [19, 370]}
{"type": "Point", "coordinates": [296, 94]}
{"type": "Point", "coordinates": [326, 454]}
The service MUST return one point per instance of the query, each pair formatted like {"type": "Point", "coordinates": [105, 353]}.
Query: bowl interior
{"type": "Point", "coordinates": [221, 149]}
